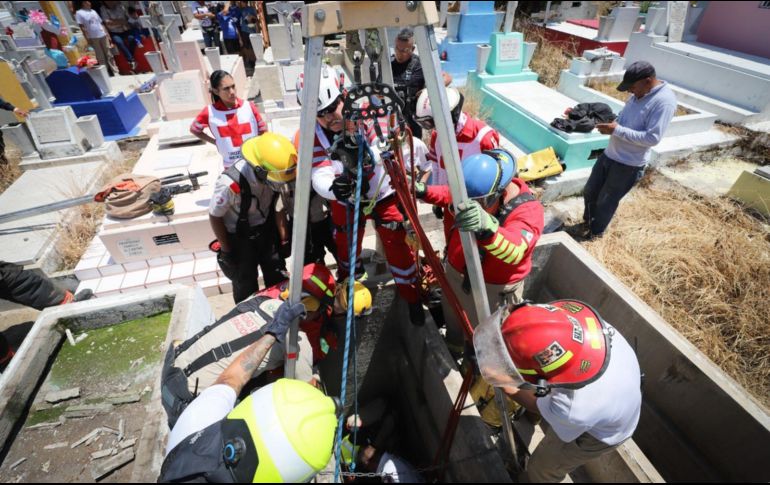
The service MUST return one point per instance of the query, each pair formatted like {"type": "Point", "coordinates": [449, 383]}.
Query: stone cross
{"type": "Point", "coordinates": [168, 27]}
{"type": "Point", "coordinates": [285, 11]}
{"type": "Point", "coordinates": [510, 12]}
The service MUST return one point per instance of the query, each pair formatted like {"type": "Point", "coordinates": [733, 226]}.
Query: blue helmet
{"type": "Point", "coordinates": [489, 173]}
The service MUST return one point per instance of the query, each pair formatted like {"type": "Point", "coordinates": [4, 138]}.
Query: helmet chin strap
{"type": "Point", "coordinates": [541, 389]}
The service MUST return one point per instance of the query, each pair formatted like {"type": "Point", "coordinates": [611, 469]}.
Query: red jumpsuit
{"type": "Point", "coordinates": [506, 254]}
{"type": "Point", "coordinates": [388, 219]}
{"type": "Point", "coordinates": [473, 137]}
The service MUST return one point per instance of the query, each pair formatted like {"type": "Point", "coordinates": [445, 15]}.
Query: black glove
{"type": "Point", "coordinates": [286, 314]}
{"type": "Point", "coordinates": [342, 187]}
{"type": "Point", "coordinates": [438, 211]}
{"type": "Point", "coordinates": [228, 264]}
{"type": "Point", "coordinates": [284, 249]}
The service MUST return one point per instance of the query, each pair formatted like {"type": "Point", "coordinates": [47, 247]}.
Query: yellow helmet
{"type": "Point", "coordinates": [362, 298]}
{"type": "Point", "coordinates": [273, 157]}
{"type": "Point", "coordinates": [284, 432]}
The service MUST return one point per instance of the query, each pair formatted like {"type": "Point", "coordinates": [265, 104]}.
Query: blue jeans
{"type": "Point", "coordinates": [211, 39]}
{"type": "Point", "coordinates": [609, 182]}
{"type": "Point", "coordinates": [120, 40]}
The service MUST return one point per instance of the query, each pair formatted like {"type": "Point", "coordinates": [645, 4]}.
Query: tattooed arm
{"type": "Point", "coordinates": [241, 369]}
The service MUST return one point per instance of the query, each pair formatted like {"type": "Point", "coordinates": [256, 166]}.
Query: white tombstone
{"type": "Point", "coordinates": [182, 95]}
{"type": "Point", "coordinates": [173, 23]}
{"type": "Point", "coordinates": [151, 103]}
{"type": "Point", "coordinates": [90, 127]}
{"type": "Point", "coordinates": [212, 54]}
{"type": "Point", "coordinates": [676, 20]}
{"type": "Point", "coordinates": [285, 46]}
{"type": "Point", "coordinates": [56, 134]}
{"type": "Point", "coordinates": [258, 45]}
{"type": "Point", "coordinates": [101, 78]}
{"type": "Point", "coordinates": [155, 61]}
{"type": "Point", "coordinates": [619, 25]}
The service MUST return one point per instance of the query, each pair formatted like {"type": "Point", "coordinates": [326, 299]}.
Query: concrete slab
{"type": "Point", "coordinates": [108, 153]}
{"type": "Point", "coordinates": [709, 179]}
{"type": "Point", "coordinates": [673, 148]}
{"type": "Point", "coordinates": [25, 240]}
{"type": "Point", "coordinates": [176, 132]}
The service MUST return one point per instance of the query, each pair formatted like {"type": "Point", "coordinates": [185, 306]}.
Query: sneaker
{"type": "Point", "coordinates": [132, 65]}
{"type": "Point", "coordinates": [85, 294]}
{"type": "Point", "coordinates": [416, 314]}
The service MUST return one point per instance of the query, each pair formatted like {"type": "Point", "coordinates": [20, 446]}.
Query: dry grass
{"type": "Point", "coordinates": [472, 104]}
{"type": "Point", "coordinates": [754, 145]}
{"type": "Point", "coordinates": [10, 172]}
{"type": "Point", "coordinates": [80, 228]}
{"type": "Point", "coordinates": [704, 265]}
{"type": "Point", "coordinates": [550, 58]}
{"type": "Point", "coordinates": [611, 90]}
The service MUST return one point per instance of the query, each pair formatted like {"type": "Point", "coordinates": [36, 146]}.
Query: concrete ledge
{"type": "Point", "coordinates": [697, 423]}
{"type": "Point", "coordinates": [566, 184]}
{"type": "Point", "coordinates": [190, 312]}
{"type": "Point", "coordinates": [109, 152]}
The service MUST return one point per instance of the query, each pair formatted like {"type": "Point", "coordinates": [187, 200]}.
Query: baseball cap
{"type": "Point", "coordinates": [636, 71]}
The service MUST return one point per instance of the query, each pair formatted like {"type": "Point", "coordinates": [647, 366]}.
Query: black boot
{"type": "Point", "coordinates": [84, 294]}
{"type": "Point", "coordinates": [416, 314]}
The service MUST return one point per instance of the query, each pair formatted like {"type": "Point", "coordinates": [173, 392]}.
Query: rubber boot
{"type": "Point", "coordinates": [416, 314]}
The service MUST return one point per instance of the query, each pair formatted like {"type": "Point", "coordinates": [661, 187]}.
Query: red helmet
{"type": "Point", "coordinates": [564, 343]}
{"type": "Point", "coordinates": [318, 282]}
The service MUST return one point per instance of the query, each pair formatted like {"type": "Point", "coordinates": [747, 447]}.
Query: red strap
{"type": "Point", "coordinates": [235, 187]}
{"type": "Point", "coordinates": [292, 356]}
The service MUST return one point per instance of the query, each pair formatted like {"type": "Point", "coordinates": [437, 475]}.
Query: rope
{"type": "Point", "coordinates": [350, 322]}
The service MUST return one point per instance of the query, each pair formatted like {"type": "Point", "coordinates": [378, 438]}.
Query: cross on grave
{"type": "Point", "coordinates": [168, 27]}
{"type": "Point", "coordinates": [285, 12]}
{"type": "Point", "coordinates": [234, 130]}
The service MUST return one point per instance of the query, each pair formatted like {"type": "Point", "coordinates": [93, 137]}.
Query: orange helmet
{"type": "Point", "coordinates": [564, 344]}
{"type": "Point", "coordinates": [318, 283]}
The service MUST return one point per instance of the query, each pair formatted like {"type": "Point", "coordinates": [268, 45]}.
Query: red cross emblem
{"type": "Point", "coordinates": [234, 130]}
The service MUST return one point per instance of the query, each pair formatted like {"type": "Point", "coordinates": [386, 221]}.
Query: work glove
{"type": "Point", "coordinates": [284, 249]}
{"type": "Point", "coordinates": [471, 217]}
{"type": "Point", "coordinates": [228, 264]}
{"type": "Point", "coordinates": [287, 313]}
{"type": "Point", "coordinates": [420, 189]}
{"type": "Point", "coordinates": [342, 187]}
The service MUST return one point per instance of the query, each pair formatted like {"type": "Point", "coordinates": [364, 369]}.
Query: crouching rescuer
{"type": "Point", "coordinates": [563, 361]}
{"type": "Point", "coordinates": [284, 432]}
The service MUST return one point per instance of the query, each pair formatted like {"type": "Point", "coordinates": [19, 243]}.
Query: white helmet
{"type": "Point", "coordinates": [423, 114]}
{"type": "Point", "coordinates": [329, 90]}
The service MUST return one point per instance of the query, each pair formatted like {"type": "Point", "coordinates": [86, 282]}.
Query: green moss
{"type": "Point", "coordinates": [108, 352]}
{"type": "Point", "coordinates": [44, 416]}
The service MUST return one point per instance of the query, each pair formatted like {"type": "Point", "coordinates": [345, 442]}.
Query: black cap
{"type": "Point", "coordinates": [636, 71]}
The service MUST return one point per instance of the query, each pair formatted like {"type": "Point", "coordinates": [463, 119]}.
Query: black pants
{"type": "Point", "coordinates": [320, 239]}
{"type": "Point", "coordinates": [259, 251]}
{"type": "Point", "coordinates": [232, 46]}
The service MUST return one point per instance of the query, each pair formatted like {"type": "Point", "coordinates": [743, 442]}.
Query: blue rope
{"type": "Point", "coordinates": [351, 292]}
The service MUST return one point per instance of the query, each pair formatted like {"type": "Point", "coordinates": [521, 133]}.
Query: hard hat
{"type": "Point", "coordinates": [423, 114]}
{"type": "Point", "coordinates": [284, 432]}
{"type": "Point", "coordinates": [349, 451]}
{"type": "Point", "coordinates": [317, 287]}
{"type": "Point", "coordinates": [273, 157]}
{"type": "Point", "coordinates": [329, 89]}
{"type": "Point", "coordinates": [564, 343]}
{"type": "Point", "coordinates": [362, 298]}
{"type": "Point", "coordinates": [488, 174]}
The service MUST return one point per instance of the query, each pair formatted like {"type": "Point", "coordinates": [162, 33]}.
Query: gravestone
{"type": "Point", "coordinates": [182, 95]}
{"type": "Point", "coordinates": [73, 85]}
{"type": "Point", "coordinates": [189, 54]}
{"type": "Point", "coordinates": [507, 56]}
{"type": "Point", "coordinates": [56, 133]}
{"type": "Point", "coordinates": [676, 20]}
{"type": "Point", "coordinates": [281, 42]}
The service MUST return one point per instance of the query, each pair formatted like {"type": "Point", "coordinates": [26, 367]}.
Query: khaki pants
{"type": "Point", "coordinates": [103, 55]}
{"type": "Point", "coordinates": [498, 295]}
{"type": "Point", "coordinates": [553, 459]}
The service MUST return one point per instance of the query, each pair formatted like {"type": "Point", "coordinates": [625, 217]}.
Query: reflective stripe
{"type": "Point", "coordinates": [403, 272]}
{"type": "Point", "coordinates": [518, 253]}
{"type": "Point", "coordinates": [496, 243]}
{"type": "Point", "coordinates": [502, 248]}
{"type": "Point", "coordinates": [528, 372]}
{"type": "Point", "coordinates": [593, 333]}
{"type": "Point", "coordinates": [560, 362]}
{"type": "Point", "coordinates": [320, 159]}
{"type": "Point", "coordinates": [508, 251]}
{"type": "Point", "coordinates": [290, 466]}
{"type": "Point", "coordinates": [321, 285]}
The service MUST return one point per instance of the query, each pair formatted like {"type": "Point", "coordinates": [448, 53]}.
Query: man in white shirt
{"type": "Point", "coordinates": [563, 361]}
{"type": "Point", "coordinates": [96, 34]}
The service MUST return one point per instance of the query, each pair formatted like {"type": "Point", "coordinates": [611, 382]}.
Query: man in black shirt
{"type": "Point", "coordinates": [408, 77]}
